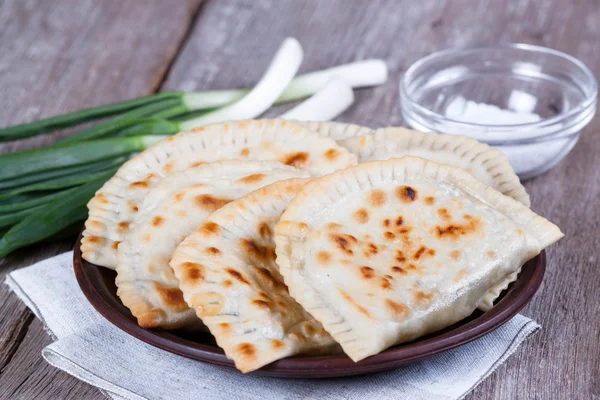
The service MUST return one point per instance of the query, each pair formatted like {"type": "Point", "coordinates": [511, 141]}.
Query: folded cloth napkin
{"type": "Point", "coordinates": [123, 367]}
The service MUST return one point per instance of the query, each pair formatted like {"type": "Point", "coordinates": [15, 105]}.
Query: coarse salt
{"type": "Point", "coordinates": [486, 114]}
{"type": "Point", "coordinates": [526, 159]}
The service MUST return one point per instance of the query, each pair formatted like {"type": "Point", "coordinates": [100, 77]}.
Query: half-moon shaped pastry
{"type": "Point", "coordinates": [387, 251]}
{"type": "Point", "coordinates": [116, 203]}
{"type": "Point", "coordinates": [228, 275]}
{"type": "Point", "coordinates": [485, 163]}
{"type": "Point", "coordinates": [173, 208]}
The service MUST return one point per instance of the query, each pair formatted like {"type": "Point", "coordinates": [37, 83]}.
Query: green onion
{"type": "Point", "coordinates": [52, 218]}
{"type": "Point", "coordinates": [151, 126]}
{"type": "Point", "coordinates": [278, 76]}
{"type": "Point", "coordinates": [357, 74]}
{"type": "Point", "coordinates": [21, 198]}
{"type": "Point", "coordinates": [28, 202]}
{"type": "Point", "coordinates": [208, 99]}
{"type": "Point", "coordinates": [32, 161]}
{"type": "Point", "coordinates": [190, 115]}
{"type": "Point", "coordinates": [121, 122]}
{"type": "Point", "coordinates": [171, 112]}
{"type": "Point", "coordinates": [77, 170]}
{"type": "Point", "coordinates": [57, 183]}
{"type": "Point", "coordinates": [12, 218]}
{"type": "Point", "coordinates": [169, 104]}
{"type": "Point", "coordinates": [78, 117]}
{"type": "Point", "coordinates": [329, 102]}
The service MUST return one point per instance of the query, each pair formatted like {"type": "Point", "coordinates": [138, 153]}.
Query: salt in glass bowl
{"type": "Point", "coordinates": [524, 79]}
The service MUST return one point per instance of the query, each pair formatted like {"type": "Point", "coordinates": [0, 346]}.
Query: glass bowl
{"type": "Point", "coordinates": [550, 96]}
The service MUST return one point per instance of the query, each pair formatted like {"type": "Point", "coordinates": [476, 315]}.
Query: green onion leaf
{"type": "Point", "coordinates": [52, 218]}
{"type": "Point", "coordinates": [29, 202]}
{"type": "Point", "coordinates": [56, 173]}
{"type": "Point", "coordinates": [39, 160]}
{"type": "Point", "coordinates": [12, 218]}
{"type": "Point", "coordinates": [78, 117]}
{"type": "Point", "coordinates": [123, 121]}
{"type": "Point", "coordinates": [151, 126]}
{"type": "Point", "coordinates": [53, 184]}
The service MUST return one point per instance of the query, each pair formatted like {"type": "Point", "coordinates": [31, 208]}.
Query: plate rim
{"type": "Point", "coordinates": [320, 366]}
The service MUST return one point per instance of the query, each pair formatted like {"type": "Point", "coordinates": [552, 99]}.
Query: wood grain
{"type": "Point", "coordinates": [60, 56]}
{"type": "Point", "coordinates": [230, 46]}
{"type": "Point", "coordinates": [29, 376]}
{"type": "Point", "coordinates": [57, 57]}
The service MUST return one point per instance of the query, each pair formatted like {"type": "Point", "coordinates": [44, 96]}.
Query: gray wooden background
{"type": "Point", "coordinates": [62, 55]}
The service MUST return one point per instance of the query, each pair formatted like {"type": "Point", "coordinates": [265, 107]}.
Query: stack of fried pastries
{"type": "Point", "coordinates": [284, 238]}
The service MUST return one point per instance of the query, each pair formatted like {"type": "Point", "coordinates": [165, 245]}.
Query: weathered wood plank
{"type": "Point", "coordinates": [62, 56]}
{"type": "Point", "coordinates": [28, 376]}
{"type": "Point", "coordinates": [17, 318]}
{"type": "Point", "coordinates": [231, 45]}
{"type": "Point", "coordinates": [57, 57]}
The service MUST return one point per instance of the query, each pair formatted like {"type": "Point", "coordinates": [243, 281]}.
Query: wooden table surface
{"type": "Point", "coordinates": [62, 55]}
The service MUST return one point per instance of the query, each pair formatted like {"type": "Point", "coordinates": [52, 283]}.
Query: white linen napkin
{"type": "Point", "coordinates": [123, 367]}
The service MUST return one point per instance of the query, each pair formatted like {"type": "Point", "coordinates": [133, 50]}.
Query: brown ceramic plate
{"type": "Point", "coordinates": [98, 285]}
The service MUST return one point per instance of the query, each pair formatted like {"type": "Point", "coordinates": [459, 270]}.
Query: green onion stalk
{"type": "Point", "coordinates": [25, 163]}
{"type": "Point", "coordinates": [52, 218]}
{"type": "Point", "coordinates": [24, 181]}
{"type": "Point", "coordinates": [169, 105]}
{"type": "Point", "coordinates": [79, 117]}
{"type": "Point", "coordinates": [58, 183]}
